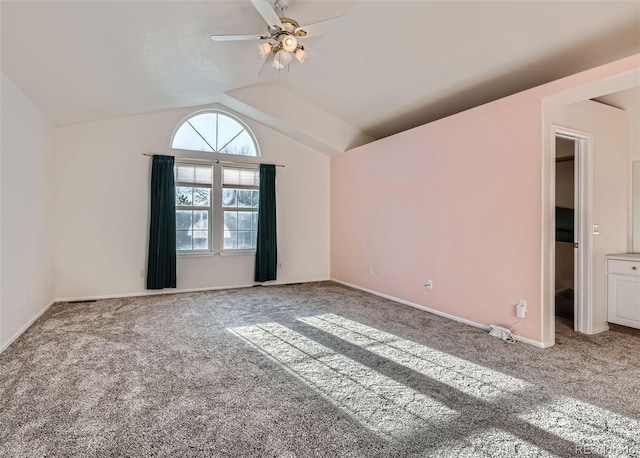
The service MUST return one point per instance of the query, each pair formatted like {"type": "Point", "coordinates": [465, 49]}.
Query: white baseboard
{"type": "Point", "coordinates": [179, 291]}
{"type": "Point", "coordinates": [145, 293]}
{"type": "Point", "coordinates": [25, 327]}
{"type": "Point", "coordinates": [600, 329]}
{"type": "Point", "coordinates": [276, 283]}
{"type": "Point", "coordinates": [535, 343]}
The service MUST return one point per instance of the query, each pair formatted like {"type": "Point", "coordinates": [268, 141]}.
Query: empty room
{"type": "Point", "coordinates": [295, 228]}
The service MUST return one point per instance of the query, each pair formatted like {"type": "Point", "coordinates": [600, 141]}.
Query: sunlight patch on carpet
{"type": "Point", "coordinates": [380, 403]}
{"type": "Point", "coordinates": [491, 442]}
{"type": "Point", "coordinates": [594, 430]}
{"type": "Point", "coordinates": [584, 425]}
{"type": "Point", "coordinates": [469, 378]}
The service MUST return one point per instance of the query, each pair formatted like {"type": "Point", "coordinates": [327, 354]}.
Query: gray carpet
{"type": "Point", "coordinates": [307, 370]}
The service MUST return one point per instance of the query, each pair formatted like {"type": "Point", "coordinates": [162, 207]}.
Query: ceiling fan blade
{"type": "Point", "coordinates": [267, 12]}
{"type": "Point", "coordinates": [266, 59]}
{"type": "Point", "coordinates": [320, 28]}
{"type": "Point", "coordinates": [237, 37]}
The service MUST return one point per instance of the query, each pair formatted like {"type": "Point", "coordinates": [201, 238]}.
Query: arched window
{"type": "Point", "coordinates": [215, 132]}
{"type": "Point", "coordinates": [218, 215]}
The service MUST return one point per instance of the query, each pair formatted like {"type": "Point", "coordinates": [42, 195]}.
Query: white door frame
{"type": "Point", "coordinates": [583, 261]}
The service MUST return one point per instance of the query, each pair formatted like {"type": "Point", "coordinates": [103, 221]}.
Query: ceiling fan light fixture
{"type": "Point", "coordinates": [264, 49]}
{"type": "Point", "coordinates": [300, 54]}
{"type": "Point", "coordinates": [289, 43]}
{"type": "Point", "coordinates": [283, 34]}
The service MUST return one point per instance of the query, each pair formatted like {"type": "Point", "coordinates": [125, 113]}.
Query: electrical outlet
{"type": "Point", "coordinates": [429, 284]}
{"type": "Point", "coordinates": [371, 271]}
{"type": "Point", "coordinates": [142, 273]}
{"type": "Point", "coordinates": [279, 265]}
{"type": "Point", "coordinates": [521, 308]}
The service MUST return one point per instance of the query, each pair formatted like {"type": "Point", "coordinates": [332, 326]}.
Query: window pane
{"type": "Point", "coordinates": [227, 129]}
{"type": "Point", "coordinates": [255, 198]}
{"type": "Point", "coordinates": [241, 145]}
{"type": "Point", "coordinates": [184, 196]}
{"type": "Point", "coordinates": [230, 240]}
{"type": "Point", "coordinates": [244, 221]}
{"type": "Point", "coordinates": [201, 197]}
{"type": "Point", "coordinates": [200, 240]}
{"type": "Point", "coordinates": [214, 132]}
{"type": "Point", "coordinates": [187, 138]}
{"type": "Point", "coordinates": [183, 220]}
{"type": "Point", "coordinates": [244, 240]}
{"type": "Point", "coordinates": [255, 221]}
{"type": "Point", "coordinates": [244, 198]}
{"type": "Point", "coordinates": [230, 221]}
{"type": "Point", "coordinates": [201, 220]}
{"type": "Point", "coordinates": [229, 198]}
{"type": "Point", "coordinates": [205, 124]}
{"type": "Point", "coordinates": [183, 240]}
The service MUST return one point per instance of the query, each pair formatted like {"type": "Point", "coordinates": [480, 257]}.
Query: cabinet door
{"type": "Point", "coordinates": [624, 300]}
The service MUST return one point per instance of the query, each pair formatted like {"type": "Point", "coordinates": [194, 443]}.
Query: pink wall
{"type": "Point", "coordinates": [458, 201]}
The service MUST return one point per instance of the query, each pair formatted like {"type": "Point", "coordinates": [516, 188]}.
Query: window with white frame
{"type": "Point", "coordinates": [214, 131]}
{"type": "Point", "coordinates": [216, 204]}
{"type": "Point", "coordinates": [216, 207]}
{"type": "Point", "coordinates": [240, 197]}
{"type": "Point", "coordinates": [193, 207]}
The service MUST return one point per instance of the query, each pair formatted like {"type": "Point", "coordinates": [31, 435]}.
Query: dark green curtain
{"type": "Point", "coordinates": [161, 265]}
{"type": "Point", "coordinates": [266, 248]}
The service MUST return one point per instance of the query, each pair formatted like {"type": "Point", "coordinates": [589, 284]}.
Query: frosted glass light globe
{"type": "Point", "coordinates": [290, 43]}
{"type": "Point", "coordinates": [281, 59]}
{"type": "Point", "coordinates": [264, 49]}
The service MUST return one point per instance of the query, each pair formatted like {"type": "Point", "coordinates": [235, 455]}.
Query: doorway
{"type": "Point", "coordinates": [572, 238]}
{"type": "Point", "coordinates": [564, 235]}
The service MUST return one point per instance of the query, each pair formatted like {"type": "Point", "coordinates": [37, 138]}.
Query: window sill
{"type": "Point", "coordinates": [238, 253]}
{"type": "Point", "coordinates": [196, 254]}
{"type": "Point", "coordinates": [199, 254]}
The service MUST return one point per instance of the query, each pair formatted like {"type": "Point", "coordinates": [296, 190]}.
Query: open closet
{"type": "Point", "coordinates": [564, 234]}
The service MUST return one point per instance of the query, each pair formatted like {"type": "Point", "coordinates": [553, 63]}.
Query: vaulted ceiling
{"type": "Point", "coordinates": [394, 65]}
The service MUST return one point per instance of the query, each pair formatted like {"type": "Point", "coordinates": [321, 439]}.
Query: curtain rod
{"type": "Point", "coordinates": [217, 161]}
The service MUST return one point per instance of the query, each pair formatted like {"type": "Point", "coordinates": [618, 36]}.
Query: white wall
{"type": "Point", "coordinates": [102, 203]}
{"type": "Point", "coordinates": [26, 260]}
{"type": "Point", "coordinates": [609, 127]}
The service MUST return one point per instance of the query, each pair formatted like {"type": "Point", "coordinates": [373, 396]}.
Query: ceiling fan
{"type": "Point", "coordinates": [282, 40]}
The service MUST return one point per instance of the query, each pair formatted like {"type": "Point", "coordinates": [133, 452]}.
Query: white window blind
{"type": "Point", "coordinates": [195, 174]}
{"type": "Point", "coordinates": [240, 177]}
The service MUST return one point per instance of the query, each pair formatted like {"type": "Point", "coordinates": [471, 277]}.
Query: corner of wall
{"type": "Point", "coordinates": [26, 240]}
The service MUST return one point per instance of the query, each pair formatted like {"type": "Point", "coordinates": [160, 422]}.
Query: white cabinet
{"type": "Point", "coordinates": [623, 289]}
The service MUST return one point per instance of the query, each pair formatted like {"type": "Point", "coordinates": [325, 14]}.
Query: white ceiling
{"type": "Point", "coordinates": [395, 64]}
{"type": "Point", "coordinates": [628, 100]}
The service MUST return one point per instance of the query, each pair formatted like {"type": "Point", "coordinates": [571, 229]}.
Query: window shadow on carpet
{"type": "Point", "coordinates": [483, 411]}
